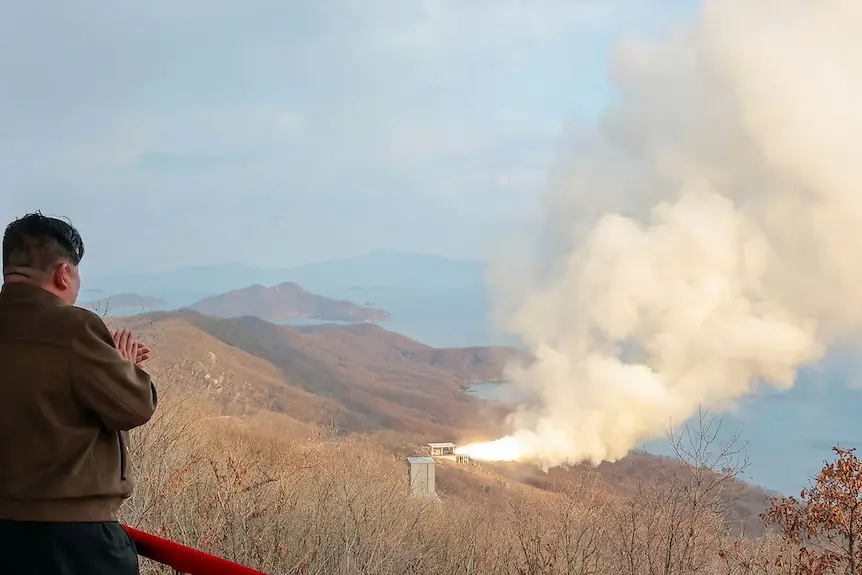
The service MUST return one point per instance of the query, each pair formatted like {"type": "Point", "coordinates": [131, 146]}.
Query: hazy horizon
{"type": "Point", "coordinates": [240, 264]}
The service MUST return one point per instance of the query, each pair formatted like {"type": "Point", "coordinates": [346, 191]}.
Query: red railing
{"type": "Point", "coordinates": [184, 559]}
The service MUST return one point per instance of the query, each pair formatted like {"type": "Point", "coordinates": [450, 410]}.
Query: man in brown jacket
{"type": "Point", "coordinates": [69, 394]}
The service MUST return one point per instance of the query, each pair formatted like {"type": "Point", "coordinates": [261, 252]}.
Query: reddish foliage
{"type": "Point", "coordinates": [822, 530]}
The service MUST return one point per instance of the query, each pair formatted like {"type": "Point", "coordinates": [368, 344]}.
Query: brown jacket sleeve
{"type": "Point", "coordinates": [120, 392]}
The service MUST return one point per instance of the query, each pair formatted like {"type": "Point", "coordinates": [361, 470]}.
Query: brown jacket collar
{"type": "Point", "coordinates": [21, 291]}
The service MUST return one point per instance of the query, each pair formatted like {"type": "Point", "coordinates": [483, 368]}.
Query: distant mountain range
{"type": "Point", "coordinates": [125, 302]}
{"type": "Point", "coordinates": [379, 270]}
{"type": "Point", "coordinates": [286, 301]}
{"type": "Point", "coordinates": [436, 300]}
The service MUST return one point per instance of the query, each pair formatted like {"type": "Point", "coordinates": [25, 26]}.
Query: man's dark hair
{"type": "Point", "coordinates": [38, 243]}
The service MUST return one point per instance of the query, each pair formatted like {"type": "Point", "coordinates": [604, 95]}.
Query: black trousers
{"type": "Point", "coordinates": [41, 548]}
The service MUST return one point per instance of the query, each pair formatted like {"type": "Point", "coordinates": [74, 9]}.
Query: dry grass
{"type": "Point", "coordinates": [292, 497]}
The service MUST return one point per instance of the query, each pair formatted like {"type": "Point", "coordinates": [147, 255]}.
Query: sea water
{"type": "Point", "coordinates": [788, 433]}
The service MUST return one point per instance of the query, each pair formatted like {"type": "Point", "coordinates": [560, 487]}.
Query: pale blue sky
{"type": "Point", "coordinates": [277, 132]}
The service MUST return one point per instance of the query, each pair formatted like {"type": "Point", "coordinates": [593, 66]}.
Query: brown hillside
{"type": "Point", "coordinates": [349, 375]}
{"type": "Point", "coordinates": [361, 378]}
{"type": "Point", "coordinates": [744, 502]}
{"type": "Point", "coordinates": [285, 302]}
{"type": "Point", "coordinates": [468, 364]}
{"type": "Point", "coordinates": [264, 492]}
{"type": "Point", "coordinates": [372, 372]}
{"type": "Point", "coordinates": [197, 363]}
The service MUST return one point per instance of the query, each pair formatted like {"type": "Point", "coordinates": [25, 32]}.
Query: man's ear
{"type": "Point", "coordinates": [60, 278]}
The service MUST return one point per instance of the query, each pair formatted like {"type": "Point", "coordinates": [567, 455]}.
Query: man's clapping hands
{"type": "Point", "coordinates": [129, 347]}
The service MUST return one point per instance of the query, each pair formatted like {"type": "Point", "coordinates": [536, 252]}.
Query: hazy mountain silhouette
{"type": "Point", "coordinates": [285, 301]}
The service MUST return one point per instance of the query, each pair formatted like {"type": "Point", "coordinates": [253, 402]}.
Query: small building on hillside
{"type": "Point", "coordinates": [422, 475]}
{"type": "Point", "coordinates": [446, 451]}
{"type": "Point", "coordinates": [442, 449]}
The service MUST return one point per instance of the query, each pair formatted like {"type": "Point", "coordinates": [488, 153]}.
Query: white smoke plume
{"type": "Point", "coordinates": [705, 240]}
